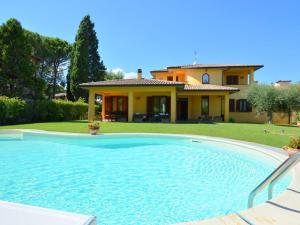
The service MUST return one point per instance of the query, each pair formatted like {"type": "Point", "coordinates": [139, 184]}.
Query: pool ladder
{"type": "Point", "coordinates": [240, 216]}
{"type": "Point", "coordinates": [271, 180]}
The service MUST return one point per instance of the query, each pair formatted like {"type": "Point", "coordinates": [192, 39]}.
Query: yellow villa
{"type": "Point", "coordinates": [199, 92]}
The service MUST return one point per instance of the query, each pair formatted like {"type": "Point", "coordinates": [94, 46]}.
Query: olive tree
{"type": "Point", "coordinates": [264, 98]}
{"type": "Point", "coordinates": [289, 99]}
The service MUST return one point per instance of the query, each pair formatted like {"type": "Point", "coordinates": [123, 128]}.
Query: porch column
{"type": "Point", "coordinates": [251, 76]}
{"type": "Point", "coordinates": [91, 110]}
{"type": "Point", "coordinates": [103, 107]}
{"type": "Point", "coordinates": [173, 106]}
{"type": "Point", "coordinates": [226, 107]}
{"type": "Point", "coordinates": [130, 106]}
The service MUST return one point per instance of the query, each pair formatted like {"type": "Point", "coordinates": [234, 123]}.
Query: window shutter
{"type": "Point", "coordinates": [238, 105]}
{"type": "Point", "coordinates": [108, 104]}
{"type": "Point", "coordinates": [125, 104]}
{"type": "Point", "coordinates": [249, 107]}
{"type": "Point", "coordinates": [234, 80]}
{"type": "Point", "coordinates": [168, 104]}
{"type": "Point", "coordinates": [231, 105]}
{"type": "Point", "coordinates": [149, 105]}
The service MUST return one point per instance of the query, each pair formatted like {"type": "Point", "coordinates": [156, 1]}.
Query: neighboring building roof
{"type": "Point", "coordinates": [211, 66]}
{"type": "Point", "coordinates": [209, 87]}
{"type": "Point", "coordinates": [280, 81]}
{"type": "Point", "coordinates": [60, 94]}
{"type": "Point", "coordinates": [132, 82]}
{"type": "Point", "coordinates": [36, 58]}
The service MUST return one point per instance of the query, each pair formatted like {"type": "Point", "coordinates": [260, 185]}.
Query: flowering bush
{"type": "Point", "coordinates": [94, 125]}
{"type": "Point", "coordinates": [294, 143]}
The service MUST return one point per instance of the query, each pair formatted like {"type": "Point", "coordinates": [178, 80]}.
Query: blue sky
{"type": "Point", "coordinates": [159, 33]}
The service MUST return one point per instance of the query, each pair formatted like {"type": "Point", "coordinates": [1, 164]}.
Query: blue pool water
{"type": "Point", "coordinates": [134, 179]}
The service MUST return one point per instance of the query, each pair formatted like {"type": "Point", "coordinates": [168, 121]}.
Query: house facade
{"type": "Point", "coordinates": [200, 92]}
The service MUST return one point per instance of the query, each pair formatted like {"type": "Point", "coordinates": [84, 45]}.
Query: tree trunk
{"type": "Point", "coordinates": [270, 117]}
{"type": "Point", "coordinates": [55, 70]}
{"type": "Point", "coordinates": [289, 114]}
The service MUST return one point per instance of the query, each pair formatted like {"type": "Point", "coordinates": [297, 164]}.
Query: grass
{"type": "Point", "coordinates": [240, 131]}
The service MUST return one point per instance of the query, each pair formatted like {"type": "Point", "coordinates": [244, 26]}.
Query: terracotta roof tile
{"type": "Point", "coordinates": [154, 82]}
{"type": "Point", "coordinates": [161, 70]}
{"type": "Point", "coordinates": [206, 66]}
{"type": "Point", "coordinates": [132, 82]}
{"type": "Point", "coordinates": [209, 87]}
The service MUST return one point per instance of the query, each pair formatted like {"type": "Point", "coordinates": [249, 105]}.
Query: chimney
{"type": "Point", "coordinates": [139, 74]}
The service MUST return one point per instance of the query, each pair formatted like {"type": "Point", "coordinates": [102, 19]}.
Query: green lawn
{"type": "Point", "coordinates": [239, 131]}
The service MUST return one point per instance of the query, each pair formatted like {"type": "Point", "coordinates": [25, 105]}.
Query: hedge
{"type": "Point", "coordinates": [11, 110]}
{"type": "Point", "coordinates": [14, 110]}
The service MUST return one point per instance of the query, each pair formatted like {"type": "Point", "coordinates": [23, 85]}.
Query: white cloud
{"type": "Point", "coordinates": [129, 75]}
{"type": "Point", "coordinates": [117, 70]}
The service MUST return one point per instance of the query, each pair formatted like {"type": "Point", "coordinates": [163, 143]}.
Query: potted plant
{"type": "Point", "coordinates": [293, 146]}
{"type": "Point", "coordinates": [94, 128]}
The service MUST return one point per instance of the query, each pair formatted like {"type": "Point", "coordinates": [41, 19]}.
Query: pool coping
{"type": "Point", "coordinates": [286, 199]}
{"type": "Point", "coordinates": [22, 214]}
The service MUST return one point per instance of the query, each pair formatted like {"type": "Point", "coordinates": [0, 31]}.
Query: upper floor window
{"type": "Point", "coordinates": [205, 78]}
{"type": "Point", "coordinates": [232, 80]}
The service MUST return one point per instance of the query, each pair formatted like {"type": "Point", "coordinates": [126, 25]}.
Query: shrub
{"type": "Point", "coordinates": [231, 120]}
{"type": "Point", "coordinates": [94, 125]}
{"type": "Point", "coordinates": [11, 110]}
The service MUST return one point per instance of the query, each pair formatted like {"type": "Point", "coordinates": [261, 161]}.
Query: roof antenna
{"type": "Point", "coordinates": [195, 57]}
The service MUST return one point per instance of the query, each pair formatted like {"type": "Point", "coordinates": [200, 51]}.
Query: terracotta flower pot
{"type": "Point", "coordinates": [290, 151]}
{"type": "Point", "coordinates": [94, 131]}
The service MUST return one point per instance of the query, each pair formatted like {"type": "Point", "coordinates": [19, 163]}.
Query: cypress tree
{"type": "Point", "coordinates": [86, 64]}
{"type": "Point", "coordinates": [70, 96]}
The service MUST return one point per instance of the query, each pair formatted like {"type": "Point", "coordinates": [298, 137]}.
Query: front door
{"type": "Point", "coordinates": [182, 109]}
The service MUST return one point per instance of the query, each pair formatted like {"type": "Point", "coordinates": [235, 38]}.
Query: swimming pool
{"type": "Point", "coordinates": [131, 179]}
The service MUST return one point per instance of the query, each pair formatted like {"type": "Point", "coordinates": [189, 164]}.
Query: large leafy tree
{"type": "Point", "coordinates": [16, 65]}
{"type": "Point", "coordinates": [264, 98]}
{"type": "Point", "coordinates": [86, 64]}
{"type": "Point", "coordinates": [112, 75]}
{"type": "Point", "coordinates": [40, 55]}
{"type": "Point", "coordinates": [52, 57]}
{"type": "Point", "coordinates": [58, 57]}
